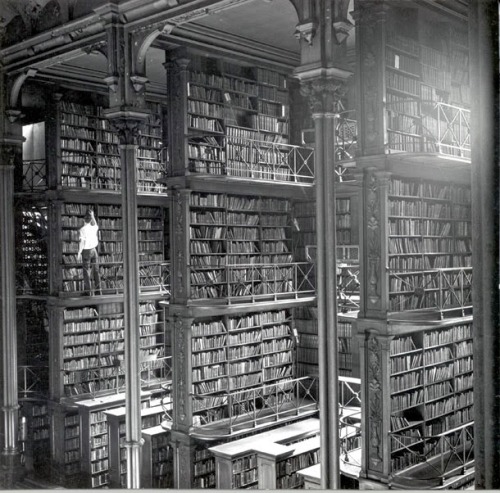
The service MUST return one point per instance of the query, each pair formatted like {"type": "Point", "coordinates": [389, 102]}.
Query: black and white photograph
{"type": "Point", "coordinates": [249, 244]}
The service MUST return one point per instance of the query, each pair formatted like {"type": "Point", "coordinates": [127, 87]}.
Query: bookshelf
{"type": "Point", "coordinates": [150, 418]}
{"type": "Point", "coordinates": [305, 454]}
{"type": "Point", "coordinates": [307, 350]}
{"type": "Point", "coordinates": [93, 347]}
{"type": "Point", "coordinates": [157, 458]}
{"type": "Point", "coordinates": [429, 229]}
{"type": "Point", "coordinates": [254, 462]}
{"type": "Point", "coordinates": [232, 250]}
{"type": "Point", "coordinates": [235, 244]}
{"type": "Point", "coordinates": [151, 153]}
{"type": "Point", "coordinates": [89, 148]}
{"type": "Point", "coordinates": [89, 152]}
{"type": "Point", "coordinates": [72, 454]}
{"type": "Point", "coordinates": [204, 467]}
{"type": "Point", "coordinates": [152, 227]}
{"type": "Point", "coordinates": [96, 447]}
{"type": "Point", "coordinates": [35, 438]}
{"type": "Point", "coordinates": [232, 354]}
{"type": "Point", "coordinates": [230, 109]}
{"type": "Point", "coordinates": [427, 84]}
{"type": "Point", "coordinates": [431, 389]}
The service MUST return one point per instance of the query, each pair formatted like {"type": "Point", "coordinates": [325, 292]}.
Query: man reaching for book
{"type": "Point", "coordinates": [87, 253]}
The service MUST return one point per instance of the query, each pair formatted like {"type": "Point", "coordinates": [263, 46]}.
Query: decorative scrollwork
{"type": "Point", "coordinates": [373, 238]}
{"type": "Point", "coordinates": [181, 382]}
{"type": "Point", "coordinates": [179, 237]}
{"type": "Point", "coordinates": [375, 411]}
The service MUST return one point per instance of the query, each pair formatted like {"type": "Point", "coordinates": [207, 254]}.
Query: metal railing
{"type": "Point", "coordinates": [34, 175]}
{"type": "Point", "coordinates": [33, 381]}
{"type": "Point", "coordinates": [249, 408]}
{"type": "Point", "coordinates": [153, 276]}
{"type": "Point", "coordinates": [350, 423]}
{"type": "Point", "coordinates": [271, 161]}
{"type": "Point", "coordinates": [445, 455]}
{"type": "Point", "coordinates": [441, 128]}
{"type": "Point", "coordinates": [453, 130]}
{"type": "Point", "coordinates": [156, 373]}
{"type": "Point", "coordinates": [249, 282]}
{"type": "Point", "coordinates": [349, 392]}
{"type": "Point", "coordinates": [439, 289]}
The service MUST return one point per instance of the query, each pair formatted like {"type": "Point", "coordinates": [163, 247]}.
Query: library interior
{"type": "Point", "coordinates": [237, 243]}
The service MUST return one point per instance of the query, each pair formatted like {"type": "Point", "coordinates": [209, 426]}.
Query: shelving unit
{"type": "Point", "coordinates": [35, 437]}
{"type": "Point", "coordinates": [157, 458]}
{"type": "Point", "coordinates": [429, 229]}
{"type": "Point", "coordinates": [204, 468]}
{"type": "Point", "coordinates": [230, 109]}
{"type": "Point", "coordinates": [151, 154]}
{"type": "Point", "coordinates": [236, 242]}
{"type": "Point", "coordinates": [150, 418]}
{"type": "Point", "coordinates": [95, 452]}
{"type": "Point", "coordinates": [431, 390]}
{"type": "Point", "coordinates": [255, 462]}
{"type": "Point", "coordinates": [72, 453]}
{"type": "Point", "coordinates": [239, 353]}
{"type": "Point", "coordinates": [151, 226]}
{"type": "Point", "coordinates": [305, 454]}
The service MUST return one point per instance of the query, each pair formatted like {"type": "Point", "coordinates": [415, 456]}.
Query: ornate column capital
{"type": "Point", "coordinates": [128, 128]}
{"type": "Point", "coordinates": [324, 93]}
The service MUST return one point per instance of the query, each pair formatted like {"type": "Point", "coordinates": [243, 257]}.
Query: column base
{"type": "Point", "coordinates": [12, 471]}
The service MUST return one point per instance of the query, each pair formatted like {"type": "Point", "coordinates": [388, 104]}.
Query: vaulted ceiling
{"type": "Point", "coordinates": [251, 27]}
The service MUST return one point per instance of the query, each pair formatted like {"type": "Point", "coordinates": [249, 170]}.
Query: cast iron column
{"type": "Point", "coordinates": [128, 124]}
{"type": "Point", "coordinates": [10, 155]}
{"type": "Point", "coordinates": [484, 37]}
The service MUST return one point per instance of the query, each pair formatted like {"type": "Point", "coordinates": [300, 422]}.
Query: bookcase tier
{"type": "Point", "coordinates": [92, 348]}
{"type": "Point", "coordinates": [431, 389]}
{"type": "Point", "coordinates": [89, 150]}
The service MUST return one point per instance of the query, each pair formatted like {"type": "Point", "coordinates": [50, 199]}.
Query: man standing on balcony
{"type": "Point", "coordinates": [87, 253]}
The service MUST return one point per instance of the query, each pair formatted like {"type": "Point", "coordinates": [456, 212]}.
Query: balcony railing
{"type": "Point", "coordinates": [438, 289]}
{"type": "Point", "coordinates": [451, 128]}
{"type": "Point", "coordinates": [443, 456]}
{"type": "Point", "coordinates": [254, 407]}
{"type": "Point", "coordinates": [441, 128]}
{"type": "Point", "coordinates": [34, 175]}
{"type": "Point", "coordinates": [94, 176]}
{"type": "Point", "coordinates": [250, 282]}
{"type": "Point", "coordinates": [350, 425]}
{"type": "Point", "coordinates": [153, 276]}
{"type": "Point", "coordinates": [156, 373]}
{"type": "Point", "coordinates": [33, 381]}
{"type": "Point", "coordinates": [269, 161]}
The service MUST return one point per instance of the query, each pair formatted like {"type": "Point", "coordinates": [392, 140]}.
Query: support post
{"type": "Point", "coordinates": [324, 94]}
{"type": "Point", "coordinates": [127, 113]}
{"type": "Point", "coordinates": [10, 156]}
{"type": "Point", "coordinates": [128, 126]}
{"type": "Point", "coordinates": [483, 34]}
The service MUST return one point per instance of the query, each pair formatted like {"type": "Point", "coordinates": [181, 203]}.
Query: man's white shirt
{"type": "Point", "coordinates": [88, 236]}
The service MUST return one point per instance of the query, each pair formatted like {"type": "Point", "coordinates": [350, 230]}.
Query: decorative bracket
{"type": "Point", "coordinates": [342, 30]}
{"type": "Point", "coordinates": [112, 82]}
{"type": "Point", "coordinates": [138, 82]}
{"type": "Point", "coordinates": [306, 31]}
{"type": "Point", "coordinates": [13, 115]}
